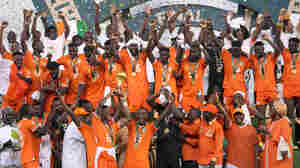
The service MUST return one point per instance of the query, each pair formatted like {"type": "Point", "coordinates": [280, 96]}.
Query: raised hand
{"type": "Point", "coordinates": [4, 25]}
{"type": "Point", "coordinates": [113, 9]}
{"type": "Point", "coordinates": [97, 6]}
{"type": "Point", "coordinates": [148, 10]}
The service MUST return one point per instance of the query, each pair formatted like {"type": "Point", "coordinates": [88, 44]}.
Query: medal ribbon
{"type": "Point", "coordinates": [111, 64]}
{"type": "Point", "coordinates": [139, 134]}
{"type": "Point", "coordinates": [93, 73]}
{"type": "Point", "coordinates": [110, 132]}
{"type": "Point", "coordinates": [235, 66]}
{"type": "Point", "coordinates": [262, 65]}
{"type": "Point", "coordinates": [294, 60]}
{"type": "Point", "coordinates": [165, 75]}
{"type": "Point", "coordinates": [193, 71]}
{"type": "Point", "coordinates": [74, 62]}
{"type": "Point", "coordinates": [133, 62]}
{"type": "Point", "coordinates": [37, 61]}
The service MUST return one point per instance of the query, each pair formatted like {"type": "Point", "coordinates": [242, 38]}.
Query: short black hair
{"type": "Point", "coordinates": [52, 65]}
{"type": "Point", "coordinates": [23, 111]}
{"type": "Point", "coordinates": [72, 45]}
{"type": "Point", "coordinates": [259, 43]}
{"type": "Point", "coordinates": [295, 39]}
{"type": "Point", "coordinates": [18, 53]}
{"type": "Point", "coordinates": [87, 48]}
{"type": "Point", "coordinates": [78, 36]}
{"type": "Point", "coordinates": [50, 27]}
{"type": "Point", "coordinates": [164, 49]}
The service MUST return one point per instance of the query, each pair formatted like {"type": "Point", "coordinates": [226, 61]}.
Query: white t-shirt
{"type": "Point", "coordinates": [4, 75]}
{"type": "Point", "coordinates": [74, 152]}
{"type": "Point", "coordinates": [45, 152]}
{"type": "Point", "coordinates": [55, 47]}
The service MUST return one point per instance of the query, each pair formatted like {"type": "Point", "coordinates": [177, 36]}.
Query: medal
{"type": "Point", "coordinates": [294, 64]}
{"type": "Point", "coordinates": [166, 131]}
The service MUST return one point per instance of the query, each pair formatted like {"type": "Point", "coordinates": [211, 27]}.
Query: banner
{"type": "Point", "coordinates": [220, 4]}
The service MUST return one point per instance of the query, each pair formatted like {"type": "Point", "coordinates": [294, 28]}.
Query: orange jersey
{"type": "Point", "coordinates": [92, 78]}
{"type": "Point", "coordinates": [73, 68]}
{"type": "Point", "coordinates": [89, 135]}
{"type": "Point", "coordinates": [290, 75]}
{"type": "Point", "coordinates": [210, 142]}
{"type": "Point", "coordinates": [111, 69]}
{"type": "Point", "coordinates": [192, 83]}
{"type": "Point", "coordinates": [264, 73]}
{"type": "Point", "coordinates": [278, 129]}
{"type": "Point", "coordinates": [72, 65]}
{"type": "Point", "coordinates": [107, 136]}
{"type": "Point", "coordinates": [189, 152]}
{"type": "Point", "coordinates": [37, 66]}
{"type": "Point", "coordinates": [30, 143]}
{"type": "Point", "coordinates": [138, 89]}
{"type": "Point", "coordinates": [139, 140]}
{"type": "Point", "coordinates": [234, 70]}
{"type": "Point", "coordinates": [17, 89]}
{"type": "Point", "coordinates": [164, 74]}
{"type": "Point", "coordinates": [241, 141]}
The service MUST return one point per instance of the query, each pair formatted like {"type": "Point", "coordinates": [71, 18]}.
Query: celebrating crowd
{"type": "Point", "coordinates": [165, 96]}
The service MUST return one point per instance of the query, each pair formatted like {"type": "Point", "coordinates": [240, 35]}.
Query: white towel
{"type": "Point", "coordinates": [247, 119]}
{"type": "Point", "coordinates": [283, 146]}
{"type": "Point", "coordinates": [106, 92]}
{"type": "Point", "coordinates": [110, 151]}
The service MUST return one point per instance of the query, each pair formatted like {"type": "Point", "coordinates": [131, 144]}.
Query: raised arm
{"type": "Point", "coordinates": [163, 27]}
{"type": "Point", "coordinates": [96, 19]}
{"type": "Point", "coordinates": [256, 32]}
{"type": "Point", "coordinates": [2, 27]}
{"type": "Point", "coordinates": [25, 34]}
{"type": "Point", "coordinates": [44, 19]}
{"type": "Point", "coordinates": [175, 16]}
{"type": "Point", "coordinates": [33, 28]}
{"type": "Point", "coordinates": [146, 21]}
{"type": "Point", "coordinates": [114, 20]}
{"type": "Point", "coordinates": [69, 111]}
{"type": "Point", "coordinates": [66, 25]}
{"type": "Point", "coordinates": [153, 39]}
{"type": "Point", "coordinates": [188, 36]}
